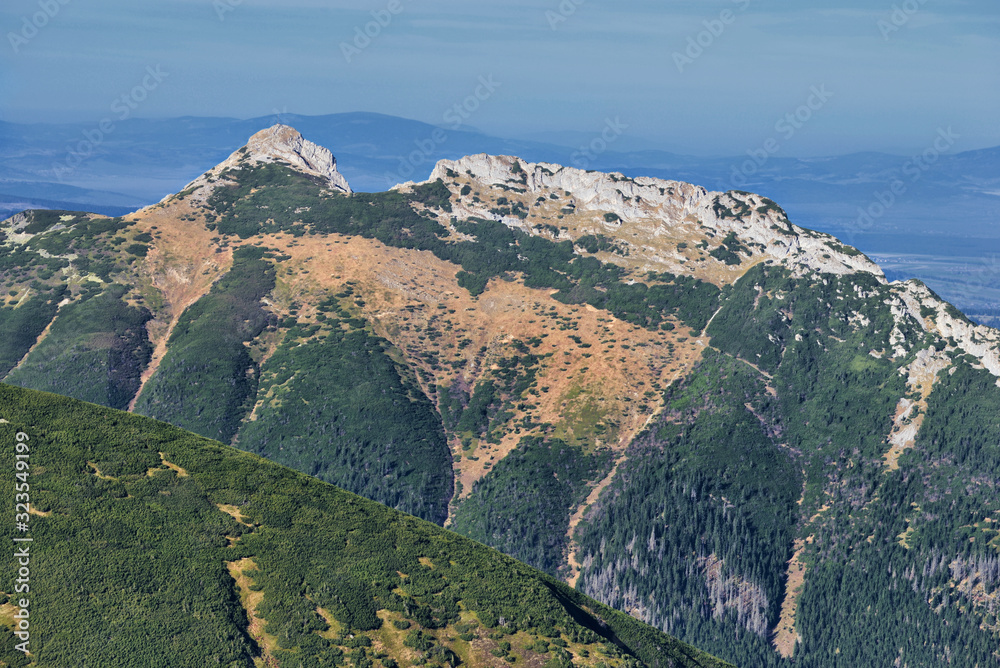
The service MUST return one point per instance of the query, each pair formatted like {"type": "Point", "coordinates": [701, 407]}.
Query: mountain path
{"type": "Point", "coordinates": [159, 352]}
{"type": "Point", "coordinates": [574, 520]}
{"type": "Point", "coordinates": [785, 635]}
{"type": "Point", "coordinates": [595, 494]}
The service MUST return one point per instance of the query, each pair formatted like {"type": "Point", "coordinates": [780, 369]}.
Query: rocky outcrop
{"type": "Point", "coordinates": [753, 219]}
{"type": "Point", "coordinates": [278, 143]}
{"type": "Point", "coordinates": [940, 317]}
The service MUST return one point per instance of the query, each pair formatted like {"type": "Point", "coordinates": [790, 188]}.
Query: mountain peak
{"type": "Point", "coordinates": [276, 144]}
{"type": "Point", "coordinates": [284, 143]}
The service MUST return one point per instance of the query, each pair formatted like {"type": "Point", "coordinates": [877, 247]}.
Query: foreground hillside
{"type": "Point", "coordinates": [678, 401]}
{"type": "Point", "coordinates": [155, 547]}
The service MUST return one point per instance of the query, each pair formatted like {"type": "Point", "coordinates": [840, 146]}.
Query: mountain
{"type": "Point", "coordinates": [930, 216]}
{"type": "Point", "coordinates": [695, 411]}
{"type": "Point", "coordinates": [150, 546]}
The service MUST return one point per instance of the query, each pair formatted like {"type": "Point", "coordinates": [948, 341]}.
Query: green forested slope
{"type": "Point", "coordinates": [903, 565]}
{"type": "Point", "coordinates": [207, 381]}
{"type": "Point", "coordinates": [522, 506]}
{"type": "Point", "coordinates": [335, 406]}
{"type": "Point", "coordinates": [697, 527]}
{"type": "Point", "coordinates": [131, 554]}
{"type": "Point", "coordinates": [96, 351]}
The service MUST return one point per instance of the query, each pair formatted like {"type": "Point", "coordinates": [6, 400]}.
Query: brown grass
{"type": "Point", "coordinates": [98, 473]}
{"type": "Point", "coordinates": [334, 625]}
{"type": "Point", "coordinates": [250, 600]}
{"type": "Point", "coordinates": [785, 635]}
{"type": "Point", "coordinates": [233, 512]}
{"type": "Point", "coordinates": [408, 293]}
{"type": "Point", "coordinates": [181, 473]}
{"type": "Point", "coordinates": [7, 611]}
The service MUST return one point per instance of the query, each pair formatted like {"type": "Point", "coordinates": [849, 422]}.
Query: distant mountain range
{"type": "Point", "coordinates": [942, 223]}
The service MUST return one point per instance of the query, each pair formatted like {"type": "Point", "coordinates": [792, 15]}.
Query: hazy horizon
{"type": "Point", "coordinates": [705, 79]}
{"type": "Point", "coordinates": [566, 138]}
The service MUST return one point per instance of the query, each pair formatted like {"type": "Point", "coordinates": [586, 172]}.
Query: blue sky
{"type": "Point", "coordinates": [707, 78]}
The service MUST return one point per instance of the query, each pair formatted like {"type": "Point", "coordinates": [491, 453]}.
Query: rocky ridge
{"type": "Point", "coordinates": [756, 222]}
{"type": "Point", "coordinates": [935, 315]}
{"type": "Point", "coordinates": [276, 144]}
{"type": "Point", "coordinates": [754, 219]}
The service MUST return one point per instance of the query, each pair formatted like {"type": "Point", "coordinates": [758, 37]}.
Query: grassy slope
{"type": "Point", "coordinates": [129, 563]}
{"type": "Point", "coordinates": [96, 351]}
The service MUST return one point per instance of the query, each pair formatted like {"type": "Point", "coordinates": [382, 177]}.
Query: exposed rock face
{"type": "Point", "coordinates": [938, 316]}
{"type": "Point", "coordinates": [278, 143]}
{"type": "Point", "coordinates": [754, 219]}
{"type": "Point", "coordinates": [282, 143]}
